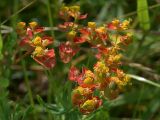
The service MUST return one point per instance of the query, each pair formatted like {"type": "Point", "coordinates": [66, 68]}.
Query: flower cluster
{"type": "Point", "coordinates": [69, 48]}
{"type": "Point", "coordinates": [67, 13]}
{"type": "Point", "coordinates": [36, 43]}
{"type": "Point", "coordinates": [83, 95]}
{"type": "Point", "coordinates": [106, 76]}
{"type": "Point", "coordinates": [106, 79]}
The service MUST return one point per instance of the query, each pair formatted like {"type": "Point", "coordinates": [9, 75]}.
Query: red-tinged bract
{"type": "Point", "coordinates": [47, 60]}
{"type": "Point", "coordinates": [67, 51]}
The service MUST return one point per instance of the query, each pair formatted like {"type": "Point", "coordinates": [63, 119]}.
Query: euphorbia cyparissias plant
{"type": "Point", "coordinates": [108, 39]}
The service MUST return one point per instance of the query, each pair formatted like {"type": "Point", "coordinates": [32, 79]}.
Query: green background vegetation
{"type": "Point", "coordinates": [48, 98]}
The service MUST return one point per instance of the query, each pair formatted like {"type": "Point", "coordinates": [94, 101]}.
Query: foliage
{"type": "Point", "coordinates": [30, 91]}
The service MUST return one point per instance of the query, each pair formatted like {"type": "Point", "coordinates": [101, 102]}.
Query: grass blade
{"type": "Point", "coordinates": [18, 12]}
{"type": "Point", "coordinates": [1, 46]}
{"type": "Point", "coordinates": [141, 79]}
{"type": "Point", "coordinates": [143, 14]}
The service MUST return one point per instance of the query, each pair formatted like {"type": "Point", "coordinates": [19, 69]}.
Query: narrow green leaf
{"type": "Point", "coordinates": [1, 46]}
{"type": "Point", "coordinates": [143, 14]}
{"type": "Point", "coordinates": [144, 80]}
{"type": "Point", "coordinates": [40, 100]}
{"type": "Point", "coordinates": [27, 112]}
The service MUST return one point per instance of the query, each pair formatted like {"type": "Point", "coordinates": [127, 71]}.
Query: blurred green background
{"type": "Point", "coordinates": [141, 101]}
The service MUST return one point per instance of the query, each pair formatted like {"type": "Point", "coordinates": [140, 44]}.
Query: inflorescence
{"type": "Point", "coordinates": [106, 78]}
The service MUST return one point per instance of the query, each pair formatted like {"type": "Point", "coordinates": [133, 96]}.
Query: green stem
{"type": "Point", "coordinates": [15, 9]}
{"type": "Point", "coordinates": [49, 96]}
{"type": "Point", "coordinates": [50, 16]}
{"type": "Point", "coordinates": [1, 48]}
{"type": "Point", "coordinates": [28, 87]}
{"type": "Point", "coordinates": [138, 102]}
{"type": "Point", "coordinates": [135, 12]}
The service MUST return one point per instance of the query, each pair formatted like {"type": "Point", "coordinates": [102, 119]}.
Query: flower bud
{"type": "Point", "coordinates": [38, 52]}
{"type": "Point", "coordinates": [21, 25]}
{"type": "Point", "coordinates": [75, 8]}
{"type": "Point", "coordinates": [116, 22]}
{"type": "Point", "coordinates": [91, 25]}
{"type": "Point", "coordinates": [37, 41]}
{"type": "Point", "coordinates": [88, 80]}
{"type": "Point", "coordinates": [101, 30]}
{"type": "Point", "coordinates": [33, 25]}
{"type": "Point", "coordinates": [64, 8]}
{"type": "Point", "coordinates": [71, 35]}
